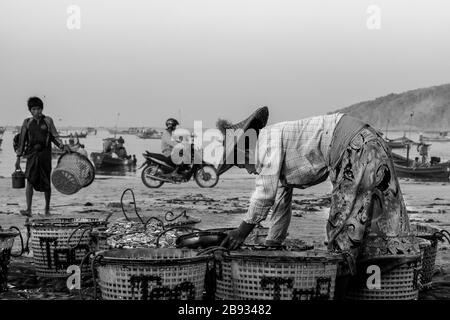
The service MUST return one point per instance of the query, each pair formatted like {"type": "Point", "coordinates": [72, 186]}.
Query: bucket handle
{"type": "Point", "coordinates": [173, 228]}
{"type": "Point", "coordinates": [134, 203]}
{"type": "Point", "coordinates": [22, 250]}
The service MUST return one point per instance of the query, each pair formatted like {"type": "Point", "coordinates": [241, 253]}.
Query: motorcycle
{"type": "Point", "coordinates": [158, 169]}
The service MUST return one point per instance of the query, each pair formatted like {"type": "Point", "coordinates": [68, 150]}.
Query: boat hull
{"type": "Point", "coordinates": [106, 160]}
{"type": "Point", "coordinates": [434, 173]}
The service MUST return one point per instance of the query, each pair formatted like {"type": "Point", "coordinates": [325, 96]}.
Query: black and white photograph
{"type": "Point", "coordinates": [224, 154]}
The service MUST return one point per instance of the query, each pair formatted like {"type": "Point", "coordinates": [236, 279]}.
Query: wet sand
{"type": "Point", "coordinates": [222, 206]}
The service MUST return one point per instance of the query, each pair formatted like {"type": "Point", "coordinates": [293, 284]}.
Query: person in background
{"type": "Point", "coordinates": [422, 148]}
{"type": "Point", "coordinates": [416, 163]}
{"type": "Point", "coordinates": [36, 135]}
{"type": "Point", "coordinates": [120, 149]}
{"type": "Point", "coordinates": [168, 142]}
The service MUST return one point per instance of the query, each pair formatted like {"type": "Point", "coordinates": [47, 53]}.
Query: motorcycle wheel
{"type": "Point", "coordinates": [147, 180]}
{"type": "Point", "coordinates": [206, 176]}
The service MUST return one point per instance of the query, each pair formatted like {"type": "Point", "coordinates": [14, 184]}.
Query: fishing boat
{"type": "Point", "coordinates": [91, 130]}
{"type": "Point", "coordinates": [440, 137]}
{"type": "Point", "coordinates": [439, 172]}
{"type": "Point", "coordinates": [399, 143]}
{"type": "Point", "coordinates": [109, 158]}
{"type": "Point", "coordinates": [74, 135]}
{"type": "Point", "coordinates": [150, 134]}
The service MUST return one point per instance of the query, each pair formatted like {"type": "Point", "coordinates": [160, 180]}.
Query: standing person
{"type": "Point", "coordinates": [35, 139]}
{"type": "Point", "coordinates": [366, 200]}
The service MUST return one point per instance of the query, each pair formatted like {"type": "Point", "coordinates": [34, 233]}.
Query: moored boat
{"type": "Point", "coordinates": [439, 172]}
{"type": "Point", "coordinates": [113, 154]}
{"type": "Point", "coordinates": [440, 137]}
{"type": "Point", "coordinates": [110, 159]}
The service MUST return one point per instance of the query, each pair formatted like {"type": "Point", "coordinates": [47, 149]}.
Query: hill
{"type": "Point", "coordinates": [430, 108]}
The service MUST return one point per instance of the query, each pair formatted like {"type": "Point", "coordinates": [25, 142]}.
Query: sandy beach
{"type": "Point", "coordinates": [222, 206]}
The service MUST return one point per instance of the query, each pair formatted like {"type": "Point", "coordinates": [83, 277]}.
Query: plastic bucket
{"type": "Point", "coordinates": [18, 179]}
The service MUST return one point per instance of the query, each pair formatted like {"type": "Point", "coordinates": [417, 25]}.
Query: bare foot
{"type": "Point", "coordinates": [26, 213]}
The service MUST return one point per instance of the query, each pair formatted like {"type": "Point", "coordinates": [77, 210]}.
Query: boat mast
{"type": "Point", "coordinates": [117, 121]}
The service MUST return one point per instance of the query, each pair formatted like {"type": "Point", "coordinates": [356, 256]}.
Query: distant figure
{"type": "Point", "coordinates": [422, 148]}
{"type": "Point", "coordinates": [36, 135]}
{"type": "Point", "coordinates": [416, 163]}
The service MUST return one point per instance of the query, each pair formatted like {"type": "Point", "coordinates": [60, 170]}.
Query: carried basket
{"type": "Point", "coordinates": [431, 236]}
{"type": "Point", "coordinates": [276, 275]}
{"type": "Point", "coordinates": [150, 274]}
{"type": "Point", "coordinates": [58, 243]}
{"type": "Point", "coordinates": [399, 278]}
{"type": "Point", "coordinates": [6, 244]}
{"type": "Point", "coordinates": [73, 172]}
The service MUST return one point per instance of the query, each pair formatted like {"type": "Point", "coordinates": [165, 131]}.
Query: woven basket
{"type": "Point", "coordinates": [6, 244]}
{"type": "Point", "coordinates": [276, 275]}
{"type": "Point", "coordinates": [401, 282]}
{"type": "Point", "coordinates": [73, 172]}
{"type": "Point", "coordinates": [151, 274]}
{"type": "Point", "coordinates": [58, 243]}
{"type": "Point", "coordinates": [432, 235]}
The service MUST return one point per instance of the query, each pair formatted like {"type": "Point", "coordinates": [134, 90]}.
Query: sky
{"type": "Point", "coordinates": [200, 60]}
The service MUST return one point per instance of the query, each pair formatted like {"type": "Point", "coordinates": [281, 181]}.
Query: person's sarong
{"type": "Point", "coordinates": [367, 202]}
{"type": "Point", "coordinates": [39, 168]}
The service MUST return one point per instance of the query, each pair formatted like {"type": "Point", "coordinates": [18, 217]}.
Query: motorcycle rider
{"type": "Point", "coordinates": [168, 142]}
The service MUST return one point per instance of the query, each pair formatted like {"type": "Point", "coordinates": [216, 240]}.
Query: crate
{"type": "Point", "coordinates": [400, 281]}
{"type": "Point", "coordinates": [151, 274]}
{"type": "Point", "coordinates": [276, 275]}
{"type": "Point", "coordinates": [58, 243]}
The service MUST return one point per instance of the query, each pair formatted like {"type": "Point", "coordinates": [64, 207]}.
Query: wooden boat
{"type": "Point", "coordinates": [401, 160]}
{"type": "Point", "coordinates": [399, 143]}
{"type": "Point", "coordinates": [74, 135]}
{"type": "Point", "coordinates": [150, 134]}
{"type": "Point", "coordinates": [110, 159]}
{"type": "Point", "coordinates": [439, 172]}
{"type": "Point", "coordinates": [441, 137]}
{"type": "Point", "coordinates": [91, 130]}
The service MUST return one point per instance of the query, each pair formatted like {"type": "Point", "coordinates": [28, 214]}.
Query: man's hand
{"type": "Point", "coordinates": [235, 238]}
{"type": "Point", "coordinates": [18, 164]}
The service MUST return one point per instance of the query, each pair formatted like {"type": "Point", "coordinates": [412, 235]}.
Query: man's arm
{"type": "Point", "coordinates": [22, 139]}
{"type": "Point", "coordinates": [54, 133]}
{"type": "Point", "coordinates": [269, 163]}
